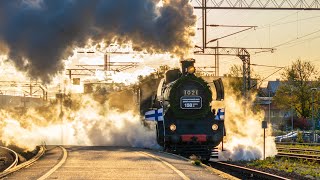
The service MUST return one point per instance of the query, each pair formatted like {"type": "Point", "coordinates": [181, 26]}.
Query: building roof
{"type": "Point", "coordinates": [273, 86]}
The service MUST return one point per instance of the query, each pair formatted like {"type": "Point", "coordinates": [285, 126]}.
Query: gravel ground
{"type": "Point", "coordinates": [5, 160]}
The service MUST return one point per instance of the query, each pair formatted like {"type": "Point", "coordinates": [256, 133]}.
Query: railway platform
{"type": "Point", "coordinates": [90, 162]}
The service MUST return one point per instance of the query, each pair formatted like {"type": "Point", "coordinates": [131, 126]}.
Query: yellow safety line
{"type": "Point", "coordinates": [169, 165]}
{"type": "Point", "coordinates": [65, 154]}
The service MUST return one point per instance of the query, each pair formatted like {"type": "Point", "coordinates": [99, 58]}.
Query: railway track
{"type": "Point", "coordinates": [295, 143]}
{"type": "Point", "coordinates": [308, 157]}
{"type": "Point", "coordinates": [9, 159]}
{"type": "Point", "coordinates": [299, 153]}
{"type": "Point", "coordinates": [243, 172]}
{"type": "Point", "coordinates": [15, 167]}
{"type": "Point", "coordinates": [296, 150]}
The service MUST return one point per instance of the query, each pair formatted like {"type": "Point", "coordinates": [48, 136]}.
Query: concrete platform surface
{"type": "Point", "coordinates": [91, 162]}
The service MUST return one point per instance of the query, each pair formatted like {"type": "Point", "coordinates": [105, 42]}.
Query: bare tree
{"type": "Point", "coordinates": [295, 91]}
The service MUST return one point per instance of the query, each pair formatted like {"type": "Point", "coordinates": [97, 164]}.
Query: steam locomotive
{"type": "Point", "coordinates": [186, 122]}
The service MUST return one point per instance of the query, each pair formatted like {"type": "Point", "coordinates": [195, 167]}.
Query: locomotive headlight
{"type": "Point", "coordinates": [191, 69]}
{"type": "Point", "coordinates": [173, 127]}
{"type": "Point", "coordinates": [215, 127]}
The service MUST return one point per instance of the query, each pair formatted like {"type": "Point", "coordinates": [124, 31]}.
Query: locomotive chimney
{"type": "Point", "coordinates": [185, 64]}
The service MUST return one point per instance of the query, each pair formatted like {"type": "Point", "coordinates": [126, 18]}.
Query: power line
{"type": "Point", "coordinates": [282, 44]}
{"type": "Point", "coordinates": [288, 22]}
{"type": "Point", "coordinates": [267, 66]}
{"type": "Point", "coordinates": [213, 40]}
{"type": "Point", "coordinates": [223, 25]}
{"type": "Point", "coordinates": [283, 17]}
{"type": "Point", "coordinates": [301, 41]}
{"type": "Point", "coordinates": [269, 25]}
{"type": "Point", "coordinates": [269, 76]}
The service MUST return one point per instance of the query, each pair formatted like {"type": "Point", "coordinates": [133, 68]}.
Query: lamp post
{"type": "Point", "coordinates": [313, 121]}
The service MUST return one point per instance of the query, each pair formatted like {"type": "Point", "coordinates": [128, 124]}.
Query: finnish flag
{"type": "Point", "coordinates": [154, 115]}
{"type": "Point", "coordinates": [220, 114]}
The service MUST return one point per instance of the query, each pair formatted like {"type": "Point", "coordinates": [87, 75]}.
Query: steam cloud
{"type": "Point", "coordinates": [39, 34]}
{"type": "Point", "coordinates": [244, 140]}
{"type": "Point", "coordinates": [91, 124]}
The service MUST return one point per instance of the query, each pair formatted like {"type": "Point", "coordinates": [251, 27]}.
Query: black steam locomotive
{"type": "Point", "coordinates": [189, 125]}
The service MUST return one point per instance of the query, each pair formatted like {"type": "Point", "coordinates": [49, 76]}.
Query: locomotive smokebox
{"type": "Point", "coordinates": [185, 64]}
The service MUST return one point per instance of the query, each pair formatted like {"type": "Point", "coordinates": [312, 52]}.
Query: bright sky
{"type": "Point", "coordinates": [295, 34]}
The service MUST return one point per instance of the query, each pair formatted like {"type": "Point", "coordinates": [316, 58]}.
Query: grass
{"type": "Point", "coordinates": [301, 167]}
{"type": "Point", "coordinates": [197, 162]}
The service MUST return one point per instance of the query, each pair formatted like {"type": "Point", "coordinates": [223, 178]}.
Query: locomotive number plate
{"type": "Point", "coordinates": [193, 92]}
{"type": "Point", "coordinates": [191, 102]}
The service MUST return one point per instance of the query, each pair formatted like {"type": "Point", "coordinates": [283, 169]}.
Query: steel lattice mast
{"type": "Point", "coordinates": [242, 52]}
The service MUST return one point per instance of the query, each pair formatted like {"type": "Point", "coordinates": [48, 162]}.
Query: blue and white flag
{"type": "Point", "coordinates": [220, 114]}
{"type": "Point", "coordinates": [154, 115]}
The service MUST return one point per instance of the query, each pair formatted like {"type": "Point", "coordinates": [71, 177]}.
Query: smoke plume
{"type": "Point", "coordinates": [244, 140]}
{"type": "Point", "coordinates": [39, 34]}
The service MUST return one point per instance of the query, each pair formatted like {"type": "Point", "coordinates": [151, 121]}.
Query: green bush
{"type": "Point", "coordinates": [197, 162]}
{"type": "Point", "coordinates": [299, 137]}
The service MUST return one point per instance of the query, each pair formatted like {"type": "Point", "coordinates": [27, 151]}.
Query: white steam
{"type": "Point", "coordinates": [92, 124]}
{"type": "Point", "coordinates": [244, 140]}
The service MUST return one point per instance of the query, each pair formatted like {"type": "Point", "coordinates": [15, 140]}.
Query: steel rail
{"type": "Point", "coordinates": [25, 164]}
{"type": "Point", "coordinates": [57, 166]}
{"type": "Point", "coordinates": [209, 168]}
{"type": "Point", "coordinates": [14, 155]}
{"type": "Point", "coordinates": [252, 173]}
{"type": "Point", "coordinates": [308, 157]}
{"type": "Point", "coordinates": [282, 149]}
{"type": "Point", "coordinates": [294, 143]}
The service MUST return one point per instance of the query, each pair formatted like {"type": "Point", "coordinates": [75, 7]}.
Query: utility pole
{"type": "Point", "coordinates": [291, 110]}
{"type": "Point", "coordinates": [204, 24]}
{"type": "Point", "coordinates": [313, 90]}
{"type": "Point", "coordinates": [269, 106]}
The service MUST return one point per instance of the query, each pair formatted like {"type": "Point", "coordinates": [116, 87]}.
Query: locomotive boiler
{"type": "Point", "coordinates": [187, 124]}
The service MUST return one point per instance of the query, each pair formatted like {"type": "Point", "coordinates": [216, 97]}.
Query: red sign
{"type": "Point", "coordinates": [194, 137]}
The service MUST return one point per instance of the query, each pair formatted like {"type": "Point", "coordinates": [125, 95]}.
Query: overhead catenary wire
{"type": "Point", "coordinates": [213, 40]}
{"type": "Point", "coordinates": [298, 42]}
{"type": "Point", "coordinates": [266, 66]}
{"type": "Point", "coordinates": [300, 38]}
{"type": "Point", "coordinates": [284, 23]}
{"type": "Point", "coordinates": [309, 34]}
{"type": "Point", "coordinates": [267, 77]}
{"type": "Point", "coordinates": [269, 25]}
{"type": "Point", "coordinates": [279, 69]}
{"type": "Point", "coordinates": [292, 40]}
